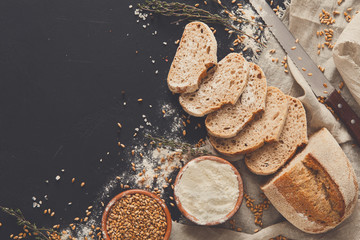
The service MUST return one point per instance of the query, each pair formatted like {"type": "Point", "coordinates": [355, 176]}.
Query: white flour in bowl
{"type": "Point", "coordinates": [207, 190]}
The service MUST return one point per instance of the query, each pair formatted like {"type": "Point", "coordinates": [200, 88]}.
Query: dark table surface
{"type": "Point", "coordinates": [63, 67]}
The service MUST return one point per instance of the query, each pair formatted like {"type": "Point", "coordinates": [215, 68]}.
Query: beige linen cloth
{"type": "Point", "coordinates": [302, 18]}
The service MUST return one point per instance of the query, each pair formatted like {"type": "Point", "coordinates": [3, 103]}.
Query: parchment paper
{"type": "Point", "coordinates": [302, 18]}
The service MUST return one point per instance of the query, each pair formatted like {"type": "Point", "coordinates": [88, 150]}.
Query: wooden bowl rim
{"type": "Point", "coordinates": [135, 191]}
{"type": "Point", "coordinates": [238, 202]}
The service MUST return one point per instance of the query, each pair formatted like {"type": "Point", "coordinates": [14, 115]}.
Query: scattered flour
{"type": "Point", "coordinates": [155, 166]}
{"type": "Point", "coordinates": [168, 109]}
{"type": "Point", "coordinates": [249, 46]}
{"type": "Point", "coordinates": [176, 125]}
{"type": "Point", "coordinates": [83, 231]}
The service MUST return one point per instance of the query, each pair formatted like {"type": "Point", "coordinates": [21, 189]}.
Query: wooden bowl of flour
{"type": "Point", "coordinates": [208, 190]}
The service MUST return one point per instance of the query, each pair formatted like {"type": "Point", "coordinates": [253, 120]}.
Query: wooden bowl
{"type": "Point", "coordinates": [239, 200]}
{"type": "Point", "coordinates": [134, 191]}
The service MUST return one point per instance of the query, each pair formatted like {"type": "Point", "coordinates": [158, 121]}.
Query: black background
{"type": "Point", "coordinates": [63, 67]}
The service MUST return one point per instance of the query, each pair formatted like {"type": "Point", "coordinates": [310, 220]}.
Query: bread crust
{"type": "Point", "coordinates": [326, 152]}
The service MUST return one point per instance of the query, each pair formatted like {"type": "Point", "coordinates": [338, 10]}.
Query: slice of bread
{"type": "Point", "coordinates": [318, 189]}
{"type": "Point", "coordinates": [194, 56]}
{"type": "Point", "coordinates": [230, 119]}
{"type": "Point", "coordinates": [266, 127]}
{"type": "Point", "coordinates": [272, 156]}
{"type": "Point", "coordinates": [223, 86]}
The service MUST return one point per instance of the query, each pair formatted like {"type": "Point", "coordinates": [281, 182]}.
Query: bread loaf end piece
{"type": "Point", "coordinates": [223, 86]}
{"type": "Point", "coordinates": [268, 159]}
{"type": "Point", "coordinates": [318, 189]}
{"type": "Point", "coordinates": [195, 55]}
{"type": "Point", "coordinates": [231, 119]}
{"type": "Point", "coordinates": [266, 127]}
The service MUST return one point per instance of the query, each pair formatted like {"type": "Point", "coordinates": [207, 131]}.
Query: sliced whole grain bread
{"type": "Point", "coordinates": [222, 86]}
{"type": "Point", "coordinates": [268, 159]}
{"type": "Point", "coordinates": [195, 55]}
{"type": "Point", "coordinates": [230, 119]}
{"type": "Point", "coordinates": [266, 127]}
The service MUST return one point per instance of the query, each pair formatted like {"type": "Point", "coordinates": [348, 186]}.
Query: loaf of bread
{"type": "Point", "coordinates": [318, 189]}
{"type": "Point", "coordinates": [268, 159]}
{"type": "Point", "coordinates": [266, 127]}
{"type": "Point", "coordinates": [230, 119]}
{"type": "Point", "coordinates": [223, 86]}
{"type": "Point", "coordinates": [195, 55]}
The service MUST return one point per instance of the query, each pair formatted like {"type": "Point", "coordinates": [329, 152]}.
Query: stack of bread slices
{"type": "Point", "coordinates": [242, 112]}
{"type": "Point", "coordinates": [317, 189]}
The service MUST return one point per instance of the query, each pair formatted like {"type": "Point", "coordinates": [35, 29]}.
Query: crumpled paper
{"type": "Point", "coordinates": [349, 230]}
{"type": "Point", "coordinates": [346, 56]}
{"type": "Point", "coordinates": [302, 18]}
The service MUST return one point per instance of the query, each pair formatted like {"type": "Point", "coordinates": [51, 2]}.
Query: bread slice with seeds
{"type": "Point", "coordinates": [195, 55]}
{"type": "Point", "coordinates": [230, 119]}
{"type": "Point", "coordinates": [222, 86]}
{"type": "Point", "coordinates": [266, 127]}
{"type": "Point", "coordinates": [268, 159]}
